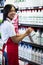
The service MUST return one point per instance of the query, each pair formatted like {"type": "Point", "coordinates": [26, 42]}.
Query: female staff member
{"type": "Point", "coordinates": [9, 37]}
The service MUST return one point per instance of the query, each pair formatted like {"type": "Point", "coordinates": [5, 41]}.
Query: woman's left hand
{"type": "Point", "coordinates": [28, 31]}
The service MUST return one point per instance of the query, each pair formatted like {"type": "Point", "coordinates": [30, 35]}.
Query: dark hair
{"type": "Point", "coordinates": [6, 10]}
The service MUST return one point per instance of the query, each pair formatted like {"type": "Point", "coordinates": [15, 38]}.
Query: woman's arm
{"type": "Point", "coordinates": [19, 37]}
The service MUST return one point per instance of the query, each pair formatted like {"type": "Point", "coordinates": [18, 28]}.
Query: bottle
{"type": "Point", "coordinates": [33, 37]}
{"type": "Point", "coordinates": [38, 36]}
{"type": "Point", "coordinates": [33, 55]}
{"type": "Point", "coordinates": [25, 51]}
{"type": "Point", "coordinates": [28, 57]}
{"type": "Point", "coordinates": [36, 56]}
{"type": "Point", "coordinates": [20, 50]}
{"type": "Point", "coordinates": [39, 57]}
{"type": "Point", "coordinates": [27, 39]}
{"type": "Point", "coordinates": [42, 39]}
{"type": "Point", "coordinates": [29, 50]}
{"type": "Point", "coordinates": [42, 58]}
{"type": "Point", "coordinates": [21, 30]}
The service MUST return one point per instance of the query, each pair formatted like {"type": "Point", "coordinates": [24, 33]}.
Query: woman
{"type": "Point", "coordinates": [9, 37]}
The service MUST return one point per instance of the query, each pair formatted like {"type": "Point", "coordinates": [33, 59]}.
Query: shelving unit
{"type": "Point", "coordinates": [30, 62]}
{"type": "Point", "coordinates": [36, 25]}
{"type": "Point", "coordinates": [25, 59]}
{"type": "Point", "coordinates": [33, 44]}
{"type": "Point", "coordinates": [31, 25]}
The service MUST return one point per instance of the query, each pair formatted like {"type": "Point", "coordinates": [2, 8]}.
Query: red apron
{"type": "Point", "coordinates": [12, 52]}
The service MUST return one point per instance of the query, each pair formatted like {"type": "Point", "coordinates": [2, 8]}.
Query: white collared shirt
{"type": "Point", "coordinates": [7, 30]}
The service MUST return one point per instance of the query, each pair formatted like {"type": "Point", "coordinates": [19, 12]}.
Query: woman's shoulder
{"type": "Point", "coordinates": [6, 23]}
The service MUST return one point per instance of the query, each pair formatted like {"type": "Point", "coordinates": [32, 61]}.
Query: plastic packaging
{"type": "Point", "coordinates": [33, 55]}
{"type": "Point", "coordinates": [39, 57]}
{"type": "Point", "coordinates": [33, 37]}
{"type": "Point", "coordinates": [38, 36]}
{"type": "Point", "coordinates": [42, 39]}
{"type": "Point", "coordinates": [42, 58]}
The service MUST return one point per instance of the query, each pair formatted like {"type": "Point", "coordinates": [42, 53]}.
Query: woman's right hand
{"type": "Point", "coordinates": [29, 30]}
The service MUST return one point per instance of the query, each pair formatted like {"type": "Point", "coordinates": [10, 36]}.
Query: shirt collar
{"type": "Point", "coordinates": [8, 19]}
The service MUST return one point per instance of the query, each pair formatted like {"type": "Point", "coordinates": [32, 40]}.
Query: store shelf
{"type": "Point", "coordinates": [35, 21]}
{"type": "Point", "coordinates": [26, 4]}
{"type": "Point", "coordinates": [30, 8]}
{"type": "Point", "coordinates": [33, 44]}
{"type": "Point", "coordinates": [32, 25]}
{"type": "Point", "coordinates": [1, 7]}
{"type": "Point", "coordinates": [30, 62]}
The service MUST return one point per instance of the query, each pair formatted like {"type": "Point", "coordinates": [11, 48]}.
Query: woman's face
{"type": "Point", "coordinates": [12, 13]}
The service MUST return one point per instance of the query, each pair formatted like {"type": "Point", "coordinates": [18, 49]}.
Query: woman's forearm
{"type": "Point", "coordinates": [18, 38]}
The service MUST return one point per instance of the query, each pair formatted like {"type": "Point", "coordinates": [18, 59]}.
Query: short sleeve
{"type": "Point", "coordinates": [11, 30]}
{"type": "Point", "coordinates": [7, 30]}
